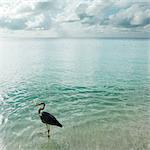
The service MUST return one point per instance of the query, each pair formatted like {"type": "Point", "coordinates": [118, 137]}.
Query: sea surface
{"type": "Point", "coordinates": [99, 89]}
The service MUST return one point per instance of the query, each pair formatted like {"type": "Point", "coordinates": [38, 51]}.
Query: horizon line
{"type": "Point", "coordinates": [20, 37]}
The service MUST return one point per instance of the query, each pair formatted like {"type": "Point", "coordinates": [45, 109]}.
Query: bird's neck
{"type": "Point", "coordinates": [39, 111]}
{"type": "Point", "coordinates": [42, 108]}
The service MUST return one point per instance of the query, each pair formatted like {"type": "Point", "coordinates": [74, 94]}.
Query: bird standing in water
{"type": "Point", "coordinates": [47, 118]}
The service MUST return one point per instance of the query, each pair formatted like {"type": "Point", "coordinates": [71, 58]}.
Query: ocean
{"type": "Point", "coordinates": [99, 89]}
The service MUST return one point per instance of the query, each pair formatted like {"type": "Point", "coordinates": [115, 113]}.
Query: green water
{"type": "Point", "coordinates": [98, 89]}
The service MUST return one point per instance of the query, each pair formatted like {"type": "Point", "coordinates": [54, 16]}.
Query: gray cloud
{"type": "Point", "coordinates": [13, 24]}
{"type": "Point", "coordinates": [137, 15]}
{"type": "Point", "coordinates": [129, 16]}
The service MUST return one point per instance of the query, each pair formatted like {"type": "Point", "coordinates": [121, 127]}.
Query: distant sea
{"type": "Point", "coordinates": [99, 89]}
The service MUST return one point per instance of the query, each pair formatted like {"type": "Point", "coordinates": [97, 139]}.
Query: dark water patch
{"type": "Point", "coordinates": [119, 89]}
{"type": "Point", "coordinates": [92, 91]}
{"type": "Point", "coordinates": [112, 94]}
{"type": "Point", "coordinates": [109, 86]}
{"type": "Point", "coordinates": [80, 87]}
{"type": "Point", "coordinates": [114, 99]}
{"type": "Point", "coordinates": [108, 103]}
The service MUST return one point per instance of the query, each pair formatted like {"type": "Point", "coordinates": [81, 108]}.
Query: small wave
{"type": "Point", "coordinates": [2, 146]}
{"type": "Point", "coordinates": [2, 119]}
{"type": "Point", "coordinates": [1, 99]}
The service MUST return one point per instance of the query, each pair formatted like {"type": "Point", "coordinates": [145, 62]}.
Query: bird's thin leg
{"type": "Point", "coordinates": [48, 129]}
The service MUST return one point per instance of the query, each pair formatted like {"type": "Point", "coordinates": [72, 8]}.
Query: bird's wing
{"type": "Point", "coordinates": [48, 117]}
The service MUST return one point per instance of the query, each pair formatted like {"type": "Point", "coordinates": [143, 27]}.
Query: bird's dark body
{"type": "Point", "coordinates": [49, 119]}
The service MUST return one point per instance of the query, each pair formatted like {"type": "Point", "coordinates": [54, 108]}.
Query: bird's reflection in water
{"type": "Point", "coordinates": [40, 141]}
{"type": "Point", "coordinates": [49, 144]}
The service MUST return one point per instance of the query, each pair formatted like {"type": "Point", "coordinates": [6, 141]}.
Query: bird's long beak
{"type": "Point", "coordinates": [39, 104]}
{"type": "Point", "coordinates": [34, 103]}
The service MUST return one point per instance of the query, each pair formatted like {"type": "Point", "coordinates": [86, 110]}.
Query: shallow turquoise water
{"type": "Point", "coordinates": [97, 88]}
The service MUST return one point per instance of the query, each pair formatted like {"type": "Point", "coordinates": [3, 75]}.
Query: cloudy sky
{"type": "Point", "coordinates": [75, 18]}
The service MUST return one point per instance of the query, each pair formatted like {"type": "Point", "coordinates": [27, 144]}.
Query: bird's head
{"type": "Point", "coordinates": [41, 108]}
{"type": "Point", "coordinates": [42, 103]}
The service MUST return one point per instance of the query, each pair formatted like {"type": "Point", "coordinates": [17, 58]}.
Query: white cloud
{"type": "Point", "coordinates": [21, 14]}
{"type": "Point", "coordinates": [73, 17]}
{"type": "Point", "coordinates": [37, 22]}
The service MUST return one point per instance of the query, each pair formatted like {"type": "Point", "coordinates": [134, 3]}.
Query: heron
{"type": "Point", "coordinates": [47, 118]}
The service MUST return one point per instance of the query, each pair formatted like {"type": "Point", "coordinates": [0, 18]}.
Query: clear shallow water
{"type": "Point", "coordinates": [97, 88]}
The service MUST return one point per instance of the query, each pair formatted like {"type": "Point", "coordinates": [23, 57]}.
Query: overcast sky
{"type": "Point", "coordinates": [75, 18]}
